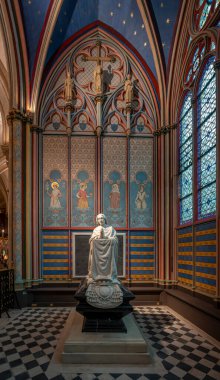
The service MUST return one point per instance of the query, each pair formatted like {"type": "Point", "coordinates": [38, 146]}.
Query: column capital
{"type": "Point", "coordinates": [36, 129]}
{"type": "Point", "coordinates": [68, 107]}
{"type": "Point", "coordinates": [128, 108]}
{"type": "Point", "coordinates": [98, 131]}
{"type": "Point", "coordinates": [157, 132]}
{"type": "Point", "coordinates": [15, 114]}
{"type": "Point", "coordinates": [99, 99]}
{"type": "Point", "coordinates": [28, 117]}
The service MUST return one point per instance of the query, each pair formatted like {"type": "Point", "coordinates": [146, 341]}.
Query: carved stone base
{"type": "Point", "coordinates": [112, 348]}
{"type": "Point", "coordinates": [103, 325]}
{"type": "Point", "coordinates": [99, 319]}
{"type": "Point", "coordinates": [104, 295]}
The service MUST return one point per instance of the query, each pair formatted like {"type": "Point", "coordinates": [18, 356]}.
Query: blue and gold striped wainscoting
{"type": "Point", "coordinates": [142, 255]}
{"type": "Point", "coordinates": [55, 261]}
{"type": "Point", "coordinates": [205, 260]}
{"type": "Point", "coordinates": [185, 256]}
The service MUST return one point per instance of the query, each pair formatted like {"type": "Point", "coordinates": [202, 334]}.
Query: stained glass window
{"type": "Point", "coordinates": [205, 13]}
{"type": "Point", "coordinates": [206, 136]}
{"type": "Point", "coordinates": [203, 10]}
{"type": "Point", "coordinates": [196, 60]}
{"type": "Point", "coordinates": [203, 142]}
{"type": "Point", "coordinates": [186, 161]}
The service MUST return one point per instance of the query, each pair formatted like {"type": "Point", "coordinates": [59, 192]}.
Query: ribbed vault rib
{"type": "Point", "coordinates": [54, 12]}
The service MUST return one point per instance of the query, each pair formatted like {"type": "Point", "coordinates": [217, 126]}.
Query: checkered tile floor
{"type": "Point", "coordinates": [28, 341]}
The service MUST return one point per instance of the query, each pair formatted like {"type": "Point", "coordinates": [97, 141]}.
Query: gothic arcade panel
{"type": "Point", "coordinates": [83, 173]}
{"type": "Point", "coordinates": [55, 179]}
{"type": "Point", "coordinates": [114, 180]}
{"type": "Point", "coordinates": [141, 182]}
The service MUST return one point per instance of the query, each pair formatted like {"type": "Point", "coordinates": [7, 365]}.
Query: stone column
{"type": "Point", "coordinates": [167, 209]}
{"type": "Point", "coordinates": [68, 110]}
{"type": "Point", "coordinates": [173, 202]}
{"type": "Point", "coordinates": [128, 113]}
{"type": "Point", "coordinates": [98, 100]}
{"type": "Point", "coordinates": [194, 192]}
{"type": "Point", "coordinates": [35, 205]}
{"type": "Point", "coordinates": [160, 208]}
{"type": "Point", "coordinates": [28, 200]}
{"type": "Point", "coordinates": [15, 120]}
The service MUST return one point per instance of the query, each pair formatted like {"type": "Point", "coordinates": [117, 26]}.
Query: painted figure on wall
{"type": "Point", "coordinates": [54, 196]}
{"type": "Point", "coordinates": [98, 79]}
{"type": "Point", "coordinates": [82, 196]}
{"type": "Point", "coordinates": [55, 200]}
{"type": "Point", "coordinates": [83, 200]}
{"type": "Point", "coordinates": [115, 196]}
{"type": "Point", "coordinates": [140, 200]}
{"type": "Point", "coordinates": [114, 199]}
{"type": "Point", "coordinates": [129, 89]}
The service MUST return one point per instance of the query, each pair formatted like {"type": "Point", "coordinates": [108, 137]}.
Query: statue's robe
{"type": "Point", "coordinates": [103, 255]}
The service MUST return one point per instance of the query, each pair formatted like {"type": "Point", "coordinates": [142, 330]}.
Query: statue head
{"type": "Point", "coordinates": [101, 219]}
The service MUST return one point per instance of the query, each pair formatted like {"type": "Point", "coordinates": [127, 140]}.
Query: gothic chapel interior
{"type": "Point", "coordinates": [140, 143]}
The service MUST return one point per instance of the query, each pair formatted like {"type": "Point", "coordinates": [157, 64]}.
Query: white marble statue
{"type": "Point", "coordinates": [103, 253]}
{"type": "Point", "coordinates": [103, 285]}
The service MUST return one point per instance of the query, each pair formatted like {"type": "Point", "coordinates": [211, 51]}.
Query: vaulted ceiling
{"type": "Point", "coordinates": [122, 15]}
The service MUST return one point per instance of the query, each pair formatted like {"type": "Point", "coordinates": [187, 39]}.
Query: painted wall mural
{"type": "Point", "coordinates": [55, 180]}
{"type": "Point", "coordinates": [141, 182]}
{"type": "Point", "coordinates": [114, 180]}
{"type": "Point", "coordinates": [75, 185]}
{"type": "Point", "coordinates": [83, 163]}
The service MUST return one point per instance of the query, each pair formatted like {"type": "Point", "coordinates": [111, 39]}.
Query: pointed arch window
{"type": "Point", "coordinates": [206, 142]}
{"type": "Point", "coordinates": [197, 150]}
{"type": "Point", "coordinates": [204, 9]}
{"type": "Point", "coordinates": [186, 161]}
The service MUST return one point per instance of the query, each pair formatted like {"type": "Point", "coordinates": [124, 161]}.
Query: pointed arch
{"type": "Point", "coordinates": [57, 63]}
{"type": "Point", "coordinates": [11, 56]}
{"type": "Point", "coordinates": [156, 51]}
{"type": "Point", "coordinates": [43, 47]}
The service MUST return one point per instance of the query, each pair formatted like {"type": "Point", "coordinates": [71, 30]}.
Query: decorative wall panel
{"type": "Point", "coordinates": [205, 260]}
{"type": "Point", "coordinates": [83, 173]}
{"type": "Point", "coordinates": [142, 255]}
{"type": "Point", "coordinates": [185, 256]}
{"type": "Point", "coordinates": [141, 182]}
{"type": "Point", "coordinates": [55, 180]}
{"type": "Point", "coordinates": [114, 180]}
{"type": "Point", "coordinates": [75, 185]}
{"type": "Point", "coordinates": [55, 258]}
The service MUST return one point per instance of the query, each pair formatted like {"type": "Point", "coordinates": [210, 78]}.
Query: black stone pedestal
{"type": "Point", "coordinates": [103, 320]}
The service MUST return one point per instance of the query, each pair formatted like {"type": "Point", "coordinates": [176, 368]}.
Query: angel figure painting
{"type": "Point", "coordinates": [55, 210]}
{"type": "Point", "coordinates": [82, 200]}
